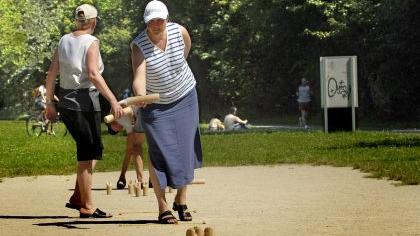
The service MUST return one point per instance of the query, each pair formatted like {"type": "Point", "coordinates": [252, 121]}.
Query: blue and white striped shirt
{"type": "Point", "coordinates": [167, 72]}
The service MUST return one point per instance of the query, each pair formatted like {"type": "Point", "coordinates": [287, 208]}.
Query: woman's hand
{"type": "Point", "coordinates": [117, 110]}
{"type": "Point", "coordinates": [50, 111]}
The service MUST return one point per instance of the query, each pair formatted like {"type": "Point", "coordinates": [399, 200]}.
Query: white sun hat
{"type": "Point", "coordinates": [155, 10]}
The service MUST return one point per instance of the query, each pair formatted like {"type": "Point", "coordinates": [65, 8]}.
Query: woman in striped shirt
{"type": "Point", "coordinates": [172, 126]}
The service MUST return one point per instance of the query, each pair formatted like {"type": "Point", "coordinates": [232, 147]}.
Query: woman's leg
{"type": "Point", "coordinates": [181, 196]}
{"type": "Point", "coordinates": [160, 193]}
{"type": "Point", "coordinates": [84, 180]}
{"type": "Point", "coordinates": [137, 154]}
{"type": "Point", "coordinates": [127, 157]}
{"type": "Point", "coordinates": [180, 204]}
{"type": "Point", "coordinates": [304, 114]}
{"type": "Point", "coordinates": [75, 199]}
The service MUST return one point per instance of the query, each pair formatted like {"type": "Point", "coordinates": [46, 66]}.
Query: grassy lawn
{"type": "Point", "coordinates": [382, 154]}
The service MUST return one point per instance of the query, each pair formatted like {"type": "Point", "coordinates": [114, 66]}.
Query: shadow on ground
{"type": "Point", "coordinates": [78, 223]}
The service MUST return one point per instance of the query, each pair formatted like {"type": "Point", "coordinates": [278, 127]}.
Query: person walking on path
{"type": "Point", "coordinates": [79, 63]}
{"type": "Point", "coordinates": [303, 94]}
{"type": "Point", "coordinates": [172, 125]}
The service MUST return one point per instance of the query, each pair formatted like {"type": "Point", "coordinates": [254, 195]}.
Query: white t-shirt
{"type": "Point", "coordinates": [41, 91]}
{"type": "Point", "coordinates": [304, 93]}
{"type": "Point", "coordinates": [230, 121]}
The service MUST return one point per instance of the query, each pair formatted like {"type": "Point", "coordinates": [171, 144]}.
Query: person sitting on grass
{"type": "Point", "coordinates": [216, 124]}
{"type": "Point", "coordinates": [233, 122]}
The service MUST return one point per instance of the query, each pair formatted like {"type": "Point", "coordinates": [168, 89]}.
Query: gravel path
{"type": "Point", "coordinates": [255, 200]}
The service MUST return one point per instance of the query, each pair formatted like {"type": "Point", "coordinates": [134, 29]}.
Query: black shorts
{"type": "Point", "coordinates": [85, 127]}
{"type": "Point", "coordinates": [304, 106]}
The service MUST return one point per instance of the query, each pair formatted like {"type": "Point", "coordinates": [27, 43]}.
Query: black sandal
{"type": "Point", "coordinates": [121, 184]}
{"type": "Point", "coordinates": [165, 218]}
{"type": "Point", "coordinates": [96, 214]}
{"type": "Point", "coordinates": [182, 213]}
{"type": "Point", "coordinates": [73, 206]}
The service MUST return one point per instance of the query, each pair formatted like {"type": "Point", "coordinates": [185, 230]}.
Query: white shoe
{"type": "Point", "coordinates": [306, 127]}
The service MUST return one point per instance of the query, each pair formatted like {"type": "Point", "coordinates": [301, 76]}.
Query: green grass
{"type": "Point", "coordinates": [394, 156]}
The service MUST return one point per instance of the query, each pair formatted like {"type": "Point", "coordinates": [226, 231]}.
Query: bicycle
{"type": "Point", "coordinates": [36, 125]}
{"type": "Point", "coordinates": [337, 88]}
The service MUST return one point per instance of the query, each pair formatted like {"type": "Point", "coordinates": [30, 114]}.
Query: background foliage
{"type": "Point", "coordinates": [248, 53]}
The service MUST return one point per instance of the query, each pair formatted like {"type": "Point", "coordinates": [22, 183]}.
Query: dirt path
{"type": "Point", "coordinates": [278, 200]}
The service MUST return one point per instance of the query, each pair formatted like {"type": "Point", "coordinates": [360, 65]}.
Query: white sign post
{"type": "Point", "coordinates": [339, 85]}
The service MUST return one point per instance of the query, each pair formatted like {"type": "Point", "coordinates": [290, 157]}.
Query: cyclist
{"type": "Point", "coordinates": [39, 94]}
{"type": "Point", "coordinates": [40, 102]}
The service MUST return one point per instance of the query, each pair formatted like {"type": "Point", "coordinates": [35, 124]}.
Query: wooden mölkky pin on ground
{"type": "Point", "coordinates": [130, 187]}
{"type": "Point", "coordinates": [137, 188]}
{"type": "Point", "coordinates": [108, 188]}
{"type": "Point", "coordinates": [198, 181]}
{"type": "Point", "coordinates": [208, 231]}
{"type": "Point", "coordinates": [145, 188]}
{"type": "Point", "coordinates": [199, 231]}
{"type": "Point", "coordinates": [190, 232]}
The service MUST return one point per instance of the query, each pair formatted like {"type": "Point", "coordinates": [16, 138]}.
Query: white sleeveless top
{"type": "Point", "coordinates": [167, 72]}
{"type": "Point", "coordinates": [304, 94]}
{"type": "Point", "coordinates": [72, 52]}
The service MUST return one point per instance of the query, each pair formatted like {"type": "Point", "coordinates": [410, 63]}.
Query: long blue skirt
{"type": "Point", "coordinates": [173, 138]}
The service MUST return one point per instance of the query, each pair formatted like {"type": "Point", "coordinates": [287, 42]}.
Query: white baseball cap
{"type": "Point", "coordinates": [88, 11]}
{"type": "Point", "coordinates": [155, 9]}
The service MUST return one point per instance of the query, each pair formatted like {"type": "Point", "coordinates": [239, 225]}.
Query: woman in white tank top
{"type": "Point", "coordinates": [79, 63]}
